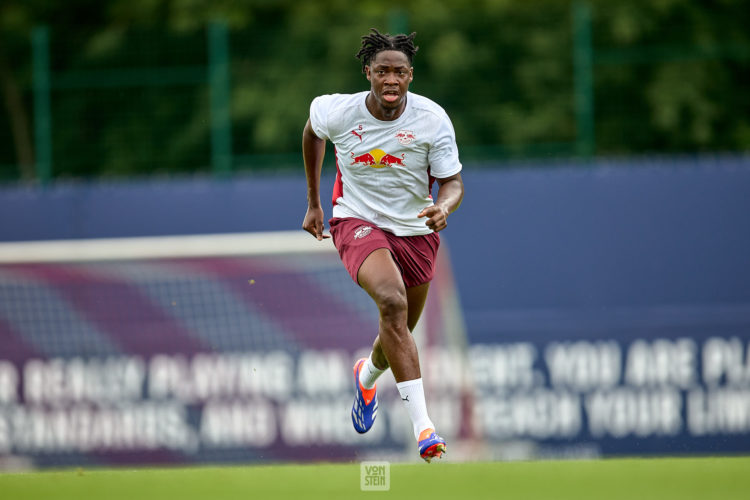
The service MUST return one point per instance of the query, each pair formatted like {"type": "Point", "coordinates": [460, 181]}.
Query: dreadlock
{"type": "Point", "coordinates": [376, 42]}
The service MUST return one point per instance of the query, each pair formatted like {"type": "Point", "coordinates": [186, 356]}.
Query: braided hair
{"type": "Point", "coordinates": [377, 42]}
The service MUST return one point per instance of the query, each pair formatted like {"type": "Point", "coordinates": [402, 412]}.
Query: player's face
{"type": "Point", "coordinates": [390, 74]}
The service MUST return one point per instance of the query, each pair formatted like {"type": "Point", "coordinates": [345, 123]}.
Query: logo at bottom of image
{"type": "Point", "coordinates": [375, 476]}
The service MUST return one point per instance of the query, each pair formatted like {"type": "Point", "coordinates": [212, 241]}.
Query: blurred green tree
{"type": "Point", "coordinates": [670, 76]}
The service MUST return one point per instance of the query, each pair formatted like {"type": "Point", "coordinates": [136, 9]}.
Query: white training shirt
{"type": "Point", "coordinates": [384, 167]}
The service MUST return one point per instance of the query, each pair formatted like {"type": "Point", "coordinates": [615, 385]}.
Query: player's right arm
{"type": "Point", "coordinates": [313, 150]}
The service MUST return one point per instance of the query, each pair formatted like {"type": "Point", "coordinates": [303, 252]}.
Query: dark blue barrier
{"type": "Point", "coordinates": [154, 207]}
{"type": "Point", "coordinates": [607, 306]}
{"type": "Point", "coordinates": [634, 234]}
{"type": "Point", "coordinates": [613, 234]}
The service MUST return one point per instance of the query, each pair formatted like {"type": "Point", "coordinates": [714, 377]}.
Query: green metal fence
{"type": "Point", "coordinates": [216, 73]}
{"type": "Point", "coordinates": [190, 109]}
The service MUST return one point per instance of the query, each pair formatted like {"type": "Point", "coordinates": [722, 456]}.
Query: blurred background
{"type": "Point", "coordinates": [593, 297]}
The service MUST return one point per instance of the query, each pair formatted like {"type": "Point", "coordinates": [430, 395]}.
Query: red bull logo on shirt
{"type": "Point", "coordinates": [405, 137]}
{"type": "Point", "coordinates": [377, 158]}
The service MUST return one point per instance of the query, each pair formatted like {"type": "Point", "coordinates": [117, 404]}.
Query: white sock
{"type": "Point", "coordinates": [412, 394]}
{"type": "Point", "coordinates": [369, 374]}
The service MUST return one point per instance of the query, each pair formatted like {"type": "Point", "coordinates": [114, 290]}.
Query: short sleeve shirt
{"type": "Point", "coordinates": [385, 168]}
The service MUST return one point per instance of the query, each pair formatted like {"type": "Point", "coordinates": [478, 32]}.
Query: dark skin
{"type": "Point", "coordinates": [390, 74]}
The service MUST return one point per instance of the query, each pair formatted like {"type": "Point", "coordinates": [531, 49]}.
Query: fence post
{"type": "Point", "coordinates": [583, 78]}
{"type": "Point", "coordinates": [42, 113]}
{"type": "Point", "coordinates": [219, 90]}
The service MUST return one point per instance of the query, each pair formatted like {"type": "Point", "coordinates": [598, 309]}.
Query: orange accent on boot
{"type": "Point", "coordinates": [425, 434]}
{"type": "Point", "coordinates": [368, 394]}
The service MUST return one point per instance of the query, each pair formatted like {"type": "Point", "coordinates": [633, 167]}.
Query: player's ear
{"type": "Point", "coordinates": [367, 71]}
{"type": "Point", "coordinates": [411, 74]}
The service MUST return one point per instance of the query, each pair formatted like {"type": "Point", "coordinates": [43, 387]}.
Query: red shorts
{"type": "Point", "coordinates": [355, 239]}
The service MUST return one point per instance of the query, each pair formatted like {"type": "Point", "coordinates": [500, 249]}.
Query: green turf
{"type": "Point", "coordinates": [632, 479]}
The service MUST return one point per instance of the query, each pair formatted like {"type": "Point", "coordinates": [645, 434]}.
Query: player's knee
{"type": "Point", "coordinates": [393, 305]}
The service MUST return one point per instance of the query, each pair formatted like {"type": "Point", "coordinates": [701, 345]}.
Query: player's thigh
{"type": "Point", "coordinates": [416, 296]}
{"type": "Point", "coordinates": [380, 277]}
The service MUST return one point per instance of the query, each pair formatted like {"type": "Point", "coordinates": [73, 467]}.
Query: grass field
{"type": "Point", "coordinates": [638, 479]}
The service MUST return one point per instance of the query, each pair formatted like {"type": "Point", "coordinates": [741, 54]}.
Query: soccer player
{"type": "Point", "coordinates": [390, 146]}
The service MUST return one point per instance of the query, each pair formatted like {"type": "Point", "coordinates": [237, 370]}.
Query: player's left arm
{"type": "Point", "coordinates": [450, 194]}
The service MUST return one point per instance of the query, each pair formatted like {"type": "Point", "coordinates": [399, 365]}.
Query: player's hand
{"type": "Point", "coordinates": [313, 223]}
{"type": "Point", "coordinates": [437, 217]}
